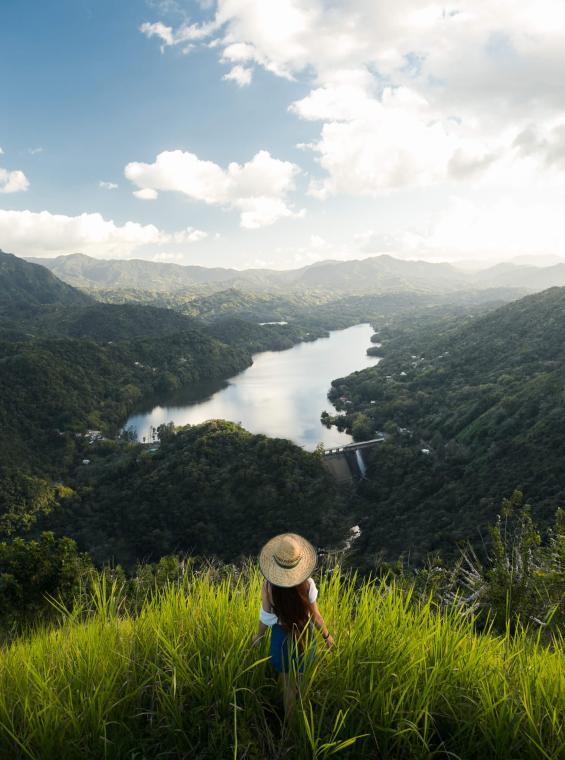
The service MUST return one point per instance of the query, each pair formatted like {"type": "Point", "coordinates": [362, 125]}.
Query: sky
{"type": "Point", "coordinates": [277, 133]}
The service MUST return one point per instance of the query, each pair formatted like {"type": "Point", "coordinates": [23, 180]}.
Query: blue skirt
{"type": "Point", "coordinates": [283, 661]}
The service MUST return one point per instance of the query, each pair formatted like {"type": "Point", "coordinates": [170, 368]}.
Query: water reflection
{"type": "Point", "coordinates": [281, 395]}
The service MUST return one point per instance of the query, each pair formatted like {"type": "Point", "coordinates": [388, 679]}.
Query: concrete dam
{"type": "Point", "coordinates": [346, 462]}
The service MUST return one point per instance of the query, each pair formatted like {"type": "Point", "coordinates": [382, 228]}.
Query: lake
{"type": "Point", "coordinates": [282, 394]}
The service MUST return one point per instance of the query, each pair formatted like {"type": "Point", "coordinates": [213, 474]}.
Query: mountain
{"type": "Point", "coordinates": [26, 284]}
{"type": "Point", "coordinates": [532, 278]}
{"type": "Point", "coordinates": [474, 409]}
{"type": "Point", "coordinates": [372, 275]}
{"type": "Point", "coordinates": [384, 273]}
{"type": "Point", "coordinates": [376, 274]}
{"type": "Point", "coordinates": [87, 272]}
{"type": "Point", "coordinates": [538, 260]}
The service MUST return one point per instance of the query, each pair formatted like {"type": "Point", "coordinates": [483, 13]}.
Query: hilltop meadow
{"type": "Point", "coordinates": [176, 677]}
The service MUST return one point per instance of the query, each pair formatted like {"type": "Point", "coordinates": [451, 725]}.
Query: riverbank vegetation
{"type": "Point", "coordinates": [472, 409]}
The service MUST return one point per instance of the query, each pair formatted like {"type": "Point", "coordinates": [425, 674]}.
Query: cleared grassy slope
{"type": "Point", "coordinates": [180, 680]}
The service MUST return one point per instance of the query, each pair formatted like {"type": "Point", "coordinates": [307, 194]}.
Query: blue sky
{"type": "Point", "coordinates": [339, 146]}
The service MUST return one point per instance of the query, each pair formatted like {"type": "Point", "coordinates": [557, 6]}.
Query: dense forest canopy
{"type": "Point", "coordinates": [25, 283]}
{"type": "Point", "coordinates": [209, 490]}
{"type": "Point", "coordinates": [473, 408]}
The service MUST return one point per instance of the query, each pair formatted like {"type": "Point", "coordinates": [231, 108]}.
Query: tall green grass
{"type": "Point", "coordinates": [179, 679]}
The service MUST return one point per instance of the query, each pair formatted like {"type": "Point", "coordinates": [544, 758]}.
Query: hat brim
{"type": "Point", "coordinates": [287, 577]}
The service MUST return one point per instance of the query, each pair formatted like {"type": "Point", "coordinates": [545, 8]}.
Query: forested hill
{"type": "Point", "coordinates": [211, 489]}
{"type": "Point", "coordinates": [102, 322]}
{"type": "Point", "coordinates": [87, 272]}
{"type": "Point", "coordinates": [25, 284]}
{"type": "Point", "coordinates": [472, 411]}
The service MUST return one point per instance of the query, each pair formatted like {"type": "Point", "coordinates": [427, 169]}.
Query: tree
{"type": "Point", "coordinates": [32, 571]}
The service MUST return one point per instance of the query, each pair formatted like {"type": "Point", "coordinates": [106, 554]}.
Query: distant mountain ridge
{"type": "Point", "coordinates": [376, 274]}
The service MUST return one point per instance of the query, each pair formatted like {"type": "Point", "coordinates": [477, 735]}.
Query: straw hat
{"type": "Point", "coordinates": [287, 560]}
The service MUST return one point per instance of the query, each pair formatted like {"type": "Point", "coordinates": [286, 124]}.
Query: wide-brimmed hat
{"type": "Point", "coordinates": [287, 560]}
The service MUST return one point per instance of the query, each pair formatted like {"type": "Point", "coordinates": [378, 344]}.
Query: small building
{"type": "Point", "coordinates": [86, 461]}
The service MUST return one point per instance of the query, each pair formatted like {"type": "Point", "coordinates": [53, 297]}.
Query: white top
{"type": "Point", "coordinates": [270, 619]}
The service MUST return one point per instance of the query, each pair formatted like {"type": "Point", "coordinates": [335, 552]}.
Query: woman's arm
{"type": "Point", "coordinates": [266, 605]}
{"type": "Point", "coordinates": [318, 620]}
{"type": "Point", "coordinates": [260, 633]}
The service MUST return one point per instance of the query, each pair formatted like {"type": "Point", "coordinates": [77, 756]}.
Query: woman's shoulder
{"type": "Point", "coordinates": [312, 591]}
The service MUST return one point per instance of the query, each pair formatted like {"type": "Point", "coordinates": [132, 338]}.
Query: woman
{"type": "Point", "coordinates": [288, 606]}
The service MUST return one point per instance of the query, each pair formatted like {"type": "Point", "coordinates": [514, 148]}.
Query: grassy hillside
{"type": "Point", "coordinates": [485, 398]}
{"type": "Point", "coordinates": [179, 679]}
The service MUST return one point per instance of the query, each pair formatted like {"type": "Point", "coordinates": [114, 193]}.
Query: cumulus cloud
{"type": "Point", "coordinates": [146, 194]}
{"type": "Point", "coordinates": [14, 181]}
{"type": "Point", "coordinates": [258, 189]}
{"type": "Point", "coordinates": [240, 75]}
{"type": "Point", "coordinates": [184, 35]}
{"type": "Point", "coordinates": [547, 144]}
{"type": "Point", "coordinates": [46, 234]}
{"type": "Point", "coordinates": [168, 258]}
{"type": "Point", "coordinates": [408, 93]}
{"type": "Point", "coordinates": [107, 185]}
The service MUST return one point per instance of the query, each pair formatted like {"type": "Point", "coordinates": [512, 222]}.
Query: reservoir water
{"type": "Point", "coordinates": [282, 394]}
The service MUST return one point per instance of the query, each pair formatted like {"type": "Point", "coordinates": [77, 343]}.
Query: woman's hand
{"type": "Point", "coordinates": [329, 641]}
{"type": "Point", "coordinates": [256, 639]}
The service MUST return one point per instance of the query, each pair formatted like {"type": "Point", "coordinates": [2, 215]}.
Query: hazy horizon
{"type": "Point", "coordinates": [464, 265]}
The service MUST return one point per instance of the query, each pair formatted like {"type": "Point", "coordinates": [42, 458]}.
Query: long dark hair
{"type": "Point", "coordinates": [292, 607]}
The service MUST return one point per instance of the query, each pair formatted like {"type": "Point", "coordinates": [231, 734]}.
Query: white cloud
{"type": "Point", "coordinates": [46, 234]}
{"type": "Point", "coordinates": [318, 242]}
{"type": "Point", "coordinates": [507, 225]}
{"type": "Point", "coordinates": [186, 33]}
{"type": "Point", "coordinates": [159, 30]}
{"type": "Point", "coordinates": [240, 75]}
{"type": "Point", "coordinates": [189, 235]}
{"type": "Point", "coordinates": [147, 194]}
{"type": "Point", "coordinates": [168, 258]}
{"type": "Point", "coordinates": [35, 151]}
{"type": "Point", "coordinates": [409, 93]}
{"type": "Point", "coordinates": [258, 189]}
{"type": "Point", "coordinates": [12, 181]}
{"type": "Point", "coordinates": [107, 185]}
{"type": "Point", "coordinates": [490, 228]}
